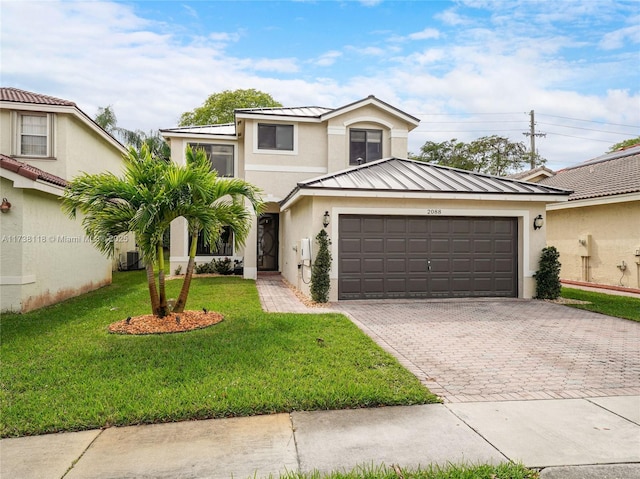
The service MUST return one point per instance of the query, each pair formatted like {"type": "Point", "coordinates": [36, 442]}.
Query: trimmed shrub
{"type": "Point", "coordinates": [320, 281]}
{"type": "Point", "coordinates": [548, 276]}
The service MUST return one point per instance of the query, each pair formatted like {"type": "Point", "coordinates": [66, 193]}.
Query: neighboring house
{"type": "Point", "coordinates": [597, 231]}
{"type": "Point", "coordinates": [44, 141]}
{"type": "Point", "coordinates": [398, 228]}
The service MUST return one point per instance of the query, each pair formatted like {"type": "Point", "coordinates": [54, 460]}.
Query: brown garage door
{"type": "Point", "coordinates": [426, 257]}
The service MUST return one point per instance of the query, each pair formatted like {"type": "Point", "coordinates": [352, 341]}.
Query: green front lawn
{"type": "Point", "coordinates": [613, 305]}
{"type": "Point", "coordinates": [62, 371]}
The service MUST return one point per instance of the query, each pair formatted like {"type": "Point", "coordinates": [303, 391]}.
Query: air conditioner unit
{"type": "Point", "coordinates": [133, 260]}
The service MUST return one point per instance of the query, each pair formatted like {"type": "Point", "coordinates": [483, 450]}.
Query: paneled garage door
{"type": "Point", "coordinates": [426, 257]}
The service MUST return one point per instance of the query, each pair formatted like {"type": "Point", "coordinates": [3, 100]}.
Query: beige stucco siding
{"type": "Point", "coordinates": [45, 257]}
{"type": "Point", "coordinates": [394, 135]}
{"type": "Point", "coordinates": [51, 260]}
{"type": "Point", "coordinates": [530, 242]}
{"type": "Point", "coordinates": [612, 232]}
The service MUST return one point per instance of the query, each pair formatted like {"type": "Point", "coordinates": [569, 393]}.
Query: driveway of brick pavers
{"type": "Point", "coordinates": [488, 350]}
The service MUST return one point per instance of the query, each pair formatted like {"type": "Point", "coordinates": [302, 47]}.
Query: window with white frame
{"type": "Point", "coordinates": [220, 156]}
{"type": "Point", "coordinates": [34, 135]}
{"type": "Point", "coordinates": [275, 137]}
{"type": "Point", "coordinates": [364, 146]}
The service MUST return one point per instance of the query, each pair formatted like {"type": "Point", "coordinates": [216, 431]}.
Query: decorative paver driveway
{"type": "Point", "coordinates": [475, 350]}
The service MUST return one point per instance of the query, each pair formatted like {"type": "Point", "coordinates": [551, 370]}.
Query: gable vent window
{"type": "Point", "coordinates": [34, 135]}
{"type": "Point", "coordinates": [364, 146]}
{"type": "Point", "coordinates": [275, 137]}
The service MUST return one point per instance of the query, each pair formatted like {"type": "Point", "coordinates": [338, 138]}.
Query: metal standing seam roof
{"type": "Point", "coordinates": [227, 129]}
{"type": "Point", "coordinates": [395, 174]}
{"type": "Point", "coordinates": [303, 111]}
{"type": "Point", "coordinates": [612, 174]}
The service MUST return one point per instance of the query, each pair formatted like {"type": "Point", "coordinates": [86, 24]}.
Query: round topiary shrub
{"type": "Point", "coordinates": [548, 276]}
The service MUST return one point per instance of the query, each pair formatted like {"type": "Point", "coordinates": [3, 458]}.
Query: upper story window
{"type": "Point", "coordinates": [34, 136]}
{"type": "Point", "coordinates": [275, 137]}
{"type": "Point", "coordinates": [220, 156]}
{"type": "Point", "coordinates": [364, 146]}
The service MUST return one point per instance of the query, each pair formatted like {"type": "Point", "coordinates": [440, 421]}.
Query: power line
{"type": "Point", "coordinates": [587, 129]}
{"type": "Point", "coordinates": [475, 121]}
{"type": "Point", "coordinates": [590, 121]}
{"type": "Point", "coordinates": [581, 137]}
{"type": "Point", "coordinates": [462, 131]}
{"type": "Point", "coordinates": [520, 113]}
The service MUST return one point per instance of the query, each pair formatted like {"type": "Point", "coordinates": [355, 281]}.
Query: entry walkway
{"type": "Point", "coordinates": [277, 297]}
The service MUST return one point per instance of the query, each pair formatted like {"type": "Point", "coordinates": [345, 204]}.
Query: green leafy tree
{"type": "Point", "coordinates": [210, 204]}
{"type": "Point", "coordinates": [106, 118]}
{"type": "Point", "coordinates": [320, 280]}
{"type": "Point", "coordinates": [493, 155]}
{"type": "Point", "coordinates": [625, 144]}
{"type": "Point", "coordinates": [149, 196]}
{"type": "Point", "coordinates": [219, 107]}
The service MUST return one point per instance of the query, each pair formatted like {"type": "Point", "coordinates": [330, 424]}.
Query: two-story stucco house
{"type": "Point", "coordinates": [398, 228]}
{"type": "Point", "coordinates": [44, 141]}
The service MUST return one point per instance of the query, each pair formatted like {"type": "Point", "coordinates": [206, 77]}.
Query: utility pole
{"type": "Point", "coordinates": [532, 134]}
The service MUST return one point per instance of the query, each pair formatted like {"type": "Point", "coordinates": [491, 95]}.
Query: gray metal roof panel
{"type": "Point", "coordinates": [219, 129]}
{"type": "Point", "coordinates": [394, 174]}
{"type": "Point", "coordinates": [304, 111]}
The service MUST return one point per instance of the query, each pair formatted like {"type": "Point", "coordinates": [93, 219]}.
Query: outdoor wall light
{"type": "Point", "coordinates": [5, 206]}
{"type": "Point", "coordinates": [538, 221]}
{"type": "Point", "coordinates": [325, 219]}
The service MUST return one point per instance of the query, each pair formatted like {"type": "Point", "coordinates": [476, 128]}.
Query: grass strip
{"type": "Point", "coordinates": [625, 307]}
{"type": "Point", "coordinates": [62, 371]}
{"type": "Point", "coordinates": [449, 471]}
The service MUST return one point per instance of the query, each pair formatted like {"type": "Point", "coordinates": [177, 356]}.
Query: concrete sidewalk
{"type": "Point", "coordinates": [594, 437]}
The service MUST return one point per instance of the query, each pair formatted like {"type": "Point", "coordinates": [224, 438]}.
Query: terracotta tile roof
{"type": "Point", "coordinates": [612, 174]}
{"type": "Point", "coordinates": [31, 172]}
{"type": "Point", "coordinates": [521, 175]}
{"type": "Point", "coordinates": [22, 96]}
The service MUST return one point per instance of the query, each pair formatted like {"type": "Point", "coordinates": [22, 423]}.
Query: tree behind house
{"type": "Point", "coordinates": [219, 107]}
{"type": "Point", "coordinates": [492, 155]}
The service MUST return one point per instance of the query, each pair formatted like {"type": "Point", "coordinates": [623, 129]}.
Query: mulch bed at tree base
{"type": "Point", "coordinates": [172, 323]}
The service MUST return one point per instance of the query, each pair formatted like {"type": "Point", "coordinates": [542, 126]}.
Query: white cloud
{"type": "Point", "coordinates": [426, 34]}
{"type": "Point", "coordinates": [452, 18]}
{"type": "Point", "coordinates": [327, 59]}
{"type": "Point", "coordinates": [99, 54]}
{"type": "Point", "coordinates": [616, 39]}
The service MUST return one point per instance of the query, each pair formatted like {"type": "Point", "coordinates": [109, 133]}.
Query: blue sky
{"type": "Point", "coordinates": [466, 68]}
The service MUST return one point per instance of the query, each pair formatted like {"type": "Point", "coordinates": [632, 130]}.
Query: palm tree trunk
{"type": "Point", "coordinates": [163, 308]}
{"type": "Point", "coordinates": [153, 291]}
{"type": "Point", "coordinates": [186, 284]}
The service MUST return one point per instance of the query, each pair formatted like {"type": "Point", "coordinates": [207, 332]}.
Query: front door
{"type": "Point", "coordinates": [268, 242]}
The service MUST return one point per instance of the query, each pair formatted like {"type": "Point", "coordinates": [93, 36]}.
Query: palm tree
{"type": "Point", "coordinates": [209, 204]}
{"type": "Point", "coordinates": [151, 194]}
